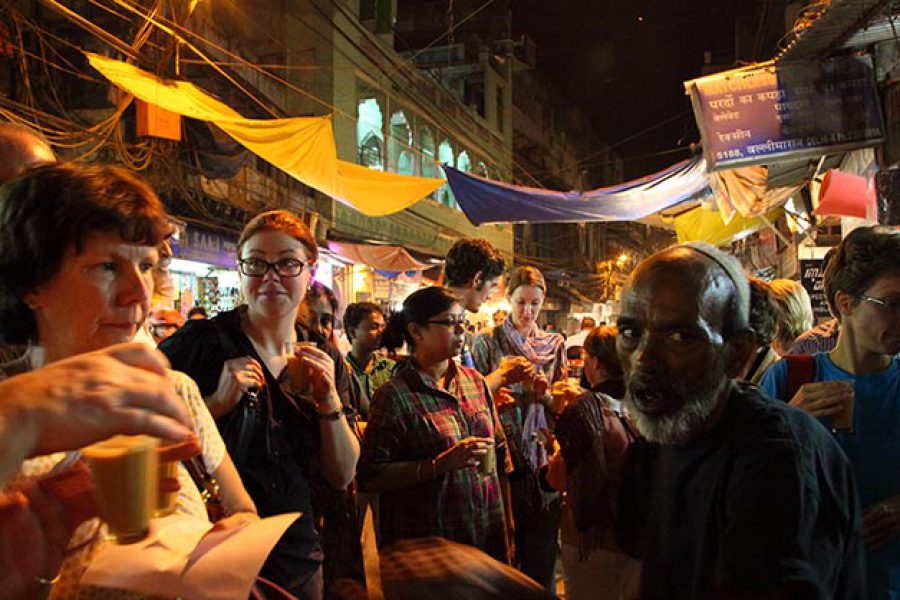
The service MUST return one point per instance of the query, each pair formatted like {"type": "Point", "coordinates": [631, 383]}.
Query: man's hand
{"type": "Point", "coordinates": [823, 398]}
{"type": "Point", "coordinates": [90, 397]}
{"type": "Point", "coordinates": [881, 523]}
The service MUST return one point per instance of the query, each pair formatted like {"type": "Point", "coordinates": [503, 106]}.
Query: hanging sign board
{"type": "Point", "coordinates": [756, 114]}
{"type": "Point", "coordinates": [205, 246]}
{"type": "Point", "coordinates": [812, 277]}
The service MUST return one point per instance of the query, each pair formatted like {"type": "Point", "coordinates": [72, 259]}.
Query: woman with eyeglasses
{"type": "Point", "coordinates": [433, 443]}
{"type": "Point", "coordinates": [242, 352]}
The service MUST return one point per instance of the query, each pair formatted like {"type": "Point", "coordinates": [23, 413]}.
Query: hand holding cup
{"type": "Point", "coordinates": [826, 399]}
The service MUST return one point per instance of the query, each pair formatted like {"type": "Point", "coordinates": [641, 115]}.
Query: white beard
{"type": "Point", "coordinates": [678, 427]}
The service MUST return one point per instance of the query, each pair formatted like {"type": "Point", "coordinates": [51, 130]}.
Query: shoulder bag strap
{"type": "Point", "coordinates": [801, 369]}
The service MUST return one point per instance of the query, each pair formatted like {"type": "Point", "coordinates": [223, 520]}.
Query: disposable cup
{"type": "Point", "coordinates": [844, 420]}
{"type": "Point", "coordinates": [125, 470]}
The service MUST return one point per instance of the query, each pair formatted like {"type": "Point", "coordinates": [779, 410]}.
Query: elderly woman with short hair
{"type": "Point", "coordinates": [78, 247]}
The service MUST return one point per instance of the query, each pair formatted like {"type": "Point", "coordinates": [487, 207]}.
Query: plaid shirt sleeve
{"type": "Point", "coordinates": [382, 439]}
{"type": "Point", "coordinates": [485, 353]}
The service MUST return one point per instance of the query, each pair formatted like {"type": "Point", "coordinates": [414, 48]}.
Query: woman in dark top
{"type": "Point", "coordinates": [243, 350]}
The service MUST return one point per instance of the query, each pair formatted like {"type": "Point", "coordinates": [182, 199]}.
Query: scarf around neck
{"type": "Point", "coordinates": [539, 347]}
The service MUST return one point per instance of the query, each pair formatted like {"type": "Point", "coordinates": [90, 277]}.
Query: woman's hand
{"type": "Point", "coordinates": [236, 521]}
{"type": "Point", "coordinates": [320, 373]}
{"type": "Point", "coordinates": [71, 403]}
{"type": "Point", "coordinates": [503, 398]}
{"type": "Point", "coordinates": [238, 376]}
{"type": "Point", "coordinates": [881, 523]}
{"type": "Point", "coordinates": [466, 453]}
{"type": "Point", "coordinates": [541, 385]}
{"type": "Point", "coordinates": [823, 398]}
{"type": "Point", "coordinates": [564, 395]}
{"type": "Point", "coordinates": [514, 369]}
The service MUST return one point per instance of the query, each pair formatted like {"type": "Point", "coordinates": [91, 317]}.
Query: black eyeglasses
{"type": "Point", "coordinates": [284, 267]}
{"type": "Point", "coordinates": [454, 321]}
{"type": "Point", "coordinates": [892, 305]}
{"type": "Point", "coordinates": [326, 320]}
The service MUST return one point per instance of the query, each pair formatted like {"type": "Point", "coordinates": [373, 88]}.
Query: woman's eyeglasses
{"type": "Point", "coordinates": [454, 321]}
{"type": "Point", "coordinates": [284, 267]}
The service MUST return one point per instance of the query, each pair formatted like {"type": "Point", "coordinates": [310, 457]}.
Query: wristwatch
{"type": "Point", "coordinates": [330, 416]}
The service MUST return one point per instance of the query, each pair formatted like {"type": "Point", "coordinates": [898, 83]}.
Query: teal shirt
{"type": "Point", "coordinates": [873, 449]}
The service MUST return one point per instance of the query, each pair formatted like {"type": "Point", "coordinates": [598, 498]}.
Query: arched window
{"type": "Point", "coordinates": [445, 156]}
{"type": "Point", "coordinates": [369, 134]}
{"type": "Point", "coordinates": [371, 152]}
{"type": "Point", "coordinates": [426, 146]}
{"type": "Point", "coordinates": [399, 144]}
{"type": "Point", "coordinates": [463, 162]}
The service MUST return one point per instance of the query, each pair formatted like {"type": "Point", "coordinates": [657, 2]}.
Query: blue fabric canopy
{"type": "Point", "coordinates": [486, 201]}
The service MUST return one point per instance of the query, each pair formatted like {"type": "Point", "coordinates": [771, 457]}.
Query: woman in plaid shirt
{"type": "Point", "coordinates": [433, 436]}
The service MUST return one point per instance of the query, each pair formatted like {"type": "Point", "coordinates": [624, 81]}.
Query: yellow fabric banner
{"type": "Point", "coordinates": [302, 147]}
{"type": "Point", "coordinates": [704, 225]}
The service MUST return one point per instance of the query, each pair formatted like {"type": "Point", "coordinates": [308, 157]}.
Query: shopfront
{"type": "Point", "coordinates": [204, 270]}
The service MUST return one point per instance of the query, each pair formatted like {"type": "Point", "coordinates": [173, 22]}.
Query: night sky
{"type": "Point", "coordinates": [623, 63]}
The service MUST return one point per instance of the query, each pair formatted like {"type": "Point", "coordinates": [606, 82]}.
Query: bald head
{"type": "Point", "coordinates": [21, 149]}
{"type": "Point", "coordinates": [714, 273]}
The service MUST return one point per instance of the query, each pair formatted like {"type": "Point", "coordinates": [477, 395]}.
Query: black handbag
{"type": "Point", "coordinates": [237, 426]}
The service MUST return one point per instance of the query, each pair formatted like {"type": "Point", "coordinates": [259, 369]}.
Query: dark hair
{"type": "Point", "coordinates": [525, 276]}
{"type": "Point", "coordinates": [600, 343]}
{"type": "Point", "coordinates": [762, 312]}
{"type": "Point", "coordinates": [863, 256]}
{"type": "Point", "coordinates": [318, 290]}
{"type": "Point", "coordinates": [469, 256]}
{"type": "Point", "coordinates": [355, 313]}
{"type": "Point", "coordinates": [197, 310]}
{"type": "Point", "coordinates": [283, 221]}
{"type": "Point", "coordinates": [418, 308]}
{"type": "Point", "coordinates": [52, 210]}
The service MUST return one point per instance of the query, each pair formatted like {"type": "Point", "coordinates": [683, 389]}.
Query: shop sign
{"type": "Point", "coordinates": [207, 247]}
{"type": "Point", "coordinates": [752, 115]}
{"type": "Point", "coordinates": [811, 276]}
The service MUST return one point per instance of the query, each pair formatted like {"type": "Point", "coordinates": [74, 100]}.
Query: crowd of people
{"type": "Point", "coordinates": [698, 451]}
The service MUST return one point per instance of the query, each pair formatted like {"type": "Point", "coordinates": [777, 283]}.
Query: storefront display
{"type": "Point", "coordinates": [204, 271]}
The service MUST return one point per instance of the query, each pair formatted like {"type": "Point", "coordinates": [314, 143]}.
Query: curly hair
{"type": "Point", "coordinates": [762, 312]}
{"type": "Point", "coordinates": [863, 256]}
{"type": "Point", "coordinates": [51, 211]}
{"type": "Point", "coordinates": [469, 256]}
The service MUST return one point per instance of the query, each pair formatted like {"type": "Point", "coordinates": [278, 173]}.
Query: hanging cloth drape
{"type": "Point", "coordinates": [705, 225]}
{"type": "Point", "coordinates": [486, 201]}
{"type": "Point", "coordinates": [303, 147]}
{"type": "Point", "coordinates": [385, 258]}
